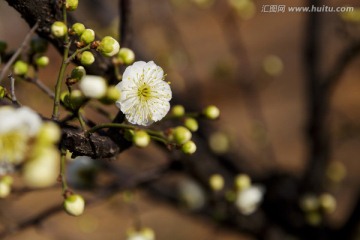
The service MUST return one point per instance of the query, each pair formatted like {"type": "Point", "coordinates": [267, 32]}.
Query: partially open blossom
{"type": "Point", "coordinates": [93, 86]}
{"type": "Point", "coordinates": [248, 200]}
{"type": "Point", "coordinates": [17, 126]}
{"type": "Point", "coordinates": [109, 46]}
{"type": "Point", "coordinates": [145, 95]}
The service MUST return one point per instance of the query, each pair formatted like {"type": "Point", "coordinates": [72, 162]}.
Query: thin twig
{"type": "Point", "coordinates": [18, 51]}
{"type": "Point", "coordinates": [12, 89]}
{"type": "Point", "coordinates": [36, 81]}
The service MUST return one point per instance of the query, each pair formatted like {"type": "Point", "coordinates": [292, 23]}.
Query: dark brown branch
{"type": "Point", "coordinates": [47, 12]}
{"type": "Point", "coordinates": [94, 146]}
{"type": "Point", "coordinates": [124, 25]}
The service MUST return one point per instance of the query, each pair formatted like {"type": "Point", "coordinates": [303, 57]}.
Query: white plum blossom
{"type": "Point", "coordinates": [17, 126]}
{"type": "Point", "coordinates": [93, 86]}
{"type": "Point", "coordinates": [248, 200]}
{"type": "Point", "coordinates": [145, 95]}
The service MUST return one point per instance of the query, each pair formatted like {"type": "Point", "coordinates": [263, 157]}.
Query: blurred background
{"type": "Point", "coordinates": [247, 62]}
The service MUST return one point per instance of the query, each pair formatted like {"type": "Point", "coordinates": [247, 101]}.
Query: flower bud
{"type": "Point", "coordinates": [2, 92]}
{"type": "Point", "coordinates": [273, 65]}
{"type": "Point", "coordinates": [309, 203]}
{"type": "Point", "coordinates": [108, 46]}
{"type": "Point", "coordinates": [93, 86]}
{"type": "Point", "coordinates": [5, 186]}
{"type": "Point", "coordinates": [5, 189]}
{"type": "Point", "coordinates": [49, 133]}
{"type": "Point", "coordinates": [20, 68]}
{"type": "Point", "coordinates": [178, 110]}
{"type": "Point", "coordinates": [58, 29]}
{"type": "Point", "coordinates": [327, 202]}
{"type": "Point", "coordinates": [42, 169]}
{"type": "Point", "coordinates": [71, 5]}
{"type": "Point", "coordinates": [78, 73]}
{"type": "Point", "coordinates": [211, 112]}
{"type": "Point", "coordinates": [181, 135]}
{"type": "Point", "coordinates": [38, 45]}
{"type": "Point", "coordinates": [141, 138]}
{"type": "Point", "coordinates": [189, 147]}
{"type": "Point", "coordinates": [216, 182]}
{"type": "Point", "coordinates": [3, 46]}
{"type": "Point", "coordinates": [112, 95]}
{"type": "Point", "coordinates": [88, 36]}
{"type": "Point", "coordinates": [191, 124]}
{"type": "Point", "coordinates": [74, 205]}
{"type": "Point", "coordinates": [126, 56]}
{"type": "Point", "coordinates": [78, 28]}
{"type": "Point", "coordinates": [219, 142]}
{"type": "Point", "coordinates": [87, 58]}
{"type": "Point", "coordinates": [76, 99]}
{"type": "Point", "coordinates": [65, 99]}
{"type": "Point", "coordinates": [242, 181]}
{"type": "Point", "coordinates": [42, 61]}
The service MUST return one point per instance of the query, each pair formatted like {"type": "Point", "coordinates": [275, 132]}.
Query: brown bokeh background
{"type": "Point", "coordinates": [188, 40]}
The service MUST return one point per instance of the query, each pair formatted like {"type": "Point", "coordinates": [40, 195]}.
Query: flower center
{"type": "Point", "coordinates": [144, 92]}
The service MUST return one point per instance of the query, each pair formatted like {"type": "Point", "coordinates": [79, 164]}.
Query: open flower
{"type": "Point", "coordinates": [17, 126]}
{"type": "Point", "coordinates": [145, 95]}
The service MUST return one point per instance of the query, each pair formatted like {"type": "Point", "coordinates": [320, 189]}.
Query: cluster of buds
{"type": "Point", "coordinates": [245, 195]}
{"type": "Point", "coordinates": [315, 206]}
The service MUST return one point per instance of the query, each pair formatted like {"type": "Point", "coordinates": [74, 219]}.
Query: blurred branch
{"type": "Point", "coordinates": [318, 106]}
{"type": "Point", "coordinates": [18, 51]}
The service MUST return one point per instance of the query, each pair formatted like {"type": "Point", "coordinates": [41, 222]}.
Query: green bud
{"type": "Point", "coordinates": [42, 61]}
{"type": "Point", "coordinates": [7, 179]}
{"type": "Point", "coordinates": [87, 58]}
{"type": "Point", "coordinates": [74, 205]}
{"type": "Point", "coordinates": [78, 28]}
{"type": "Point", "coordinates": [178, 110]}
{"type": "Point", "coordinates": [20, 68]}
{"type": "Point", "coordinates": [126, 56]}
{"type": "Point", "coordinates": [87, 36]}
{"type": "Point", "coordinates": [191, 124]}
{"type": "Point", "coordinates": [64, 98]}
{"type": "Point", "coordinates": [141, 138]}
{"type": "Point", "coordinates": [38, 45]}
{"type": "Point", "coordinates": [112, 95]}
{"type": "Point", "coordinates": [58, 29]}
{"type": "Point", "coordinates": [216, 182]}
{"type": "Point", "coordinates": [3, 46]}
{"type": "Point", "coordinates": [189, 147]}
{"type": "Point", "coordinates": [211, 112]}
{"type": "Point", "coordinates": [71, 5]}
{"type": "Point", "coordinates": [108, 46]}
{"type": "Point", "coordinates": [273, 65]}
{"type": "Point", "coordinates": [2, 92]}
{"type": "Point", "coordinates": [76, 99]}
{"type": "Point", "coordinates": [181, 135]}
{"type": "Point", "coordinates": [78, 73]}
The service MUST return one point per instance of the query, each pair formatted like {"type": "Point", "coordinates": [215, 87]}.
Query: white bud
{"type": "Point", "coordinates": [74, 205]}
